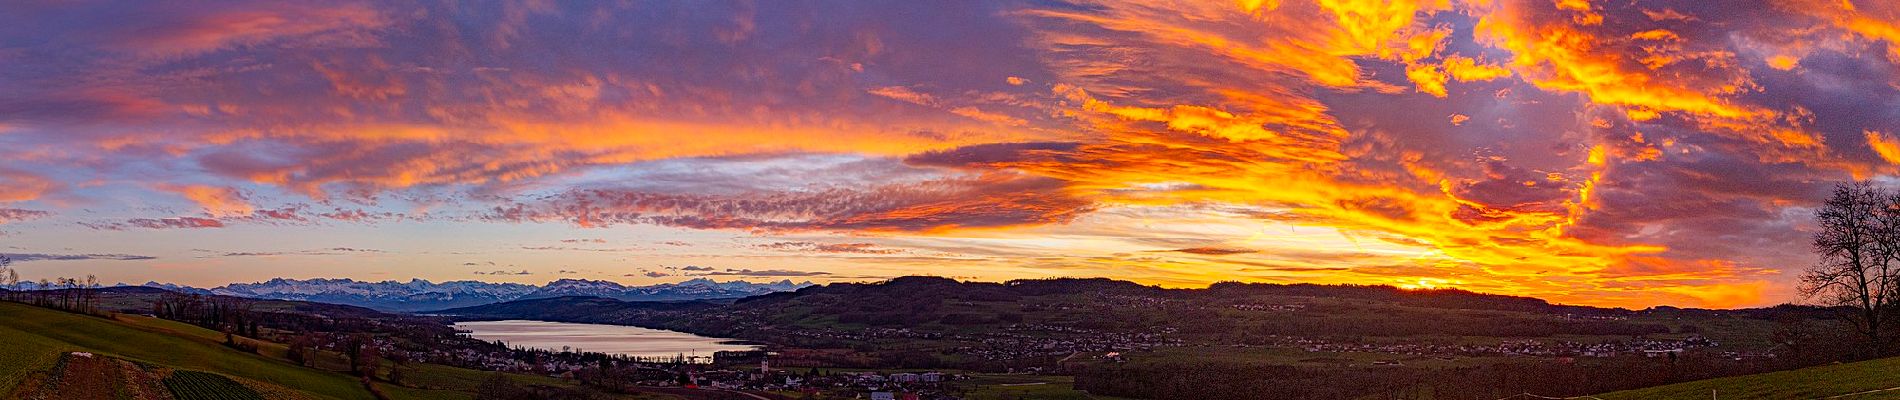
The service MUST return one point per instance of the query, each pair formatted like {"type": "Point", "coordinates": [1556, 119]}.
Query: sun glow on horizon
{"type": "Point", "coordinates": [1603, 153]}
{"type": "Point", "coordinates": [1429, 284]}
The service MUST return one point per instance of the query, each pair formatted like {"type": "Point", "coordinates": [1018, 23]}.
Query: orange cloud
{"type": "Point", "coordinates": [1605, 132]}
{"type": "Point", "coordinates": [1871, 20]}
{"type": "Point", "coordinates": [1888, 149]}
{"type": "Point", "coordinates": [246, 25]}
{"type": "Point", "coordinates": [216, 200]}
{"type": "Point", "coordinates": [1465, 69]}
{"type": "Point", "coordinates": [1552, 52]}
{"type": "Point", "coordinates": [17, 185]}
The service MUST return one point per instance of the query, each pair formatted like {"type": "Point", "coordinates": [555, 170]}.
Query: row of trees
{"type": "Point", "coordinates": [1213, 379]}
{"type": "Point", "coordinates": [70, 294]}
{"type": "Point", "coordinates": [223, 313]}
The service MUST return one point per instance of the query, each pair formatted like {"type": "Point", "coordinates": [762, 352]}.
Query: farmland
{"type": "Point", "coordinates": [1059, 339]}
{"type": "Point", "coordinates": [194, 385]}
{"type": "Point", "coordinates": [1009, 387]}
{"type": "Point", "coordinates": [27, 354]}
{"type": "Point", "coordinates": [1868, 378]}
{"type": "Point", "coordinates": [53, 332]}
{"type": "Point", "coordinates": [143, 357]}
{"type": "Point", "coordinates": [1275, 341]}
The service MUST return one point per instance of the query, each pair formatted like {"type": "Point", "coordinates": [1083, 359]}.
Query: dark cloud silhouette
{"type": "Point", "coordinates": [854, 248]}
{"type": "Point", "coordinates": [763, 273]}
{"type": "Point", "coordinates": [16, 214]}
{"type": "Point", "coordinates": [986, 200]}
{"type": "Point", "coordinates": [157, 223]}
{"type": "Point", "coordinates": [26, 257]}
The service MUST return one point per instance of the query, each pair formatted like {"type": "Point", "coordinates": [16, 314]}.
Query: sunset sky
{"type": "Point", "coordinates": [1610, 153]}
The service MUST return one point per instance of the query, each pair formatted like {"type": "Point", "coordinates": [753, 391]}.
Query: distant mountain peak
{"type": "Point", "coordinates": [420, 294]}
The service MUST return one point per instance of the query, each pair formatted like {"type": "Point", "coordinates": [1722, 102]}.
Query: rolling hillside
{"type": "Point", "coordinates": [55, 354]}
{"type": "Point", "coordinates": [1865, 380]}
{"type": "Point", "coordinates": [47, 334]}
{"type": "Point", "coordinates": [1124, 339]}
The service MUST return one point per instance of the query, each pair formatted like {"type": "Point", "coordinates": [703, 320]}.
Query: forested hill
{"type": "Point", "coordinates": [1224, 312]}
{"type": "Point", "coordinates": [926, 287]}
{"type": "Point", "coordinates": [1130, 340]}
{"type": "Point", "coordinates": [577, 309]}
{"type": "Point", "coordinates": [917, 290]}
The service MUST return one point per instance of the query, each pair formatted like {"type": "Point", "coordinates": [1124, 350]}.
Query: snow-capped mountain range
{"type": "Point", "coordinates": [422, 295]}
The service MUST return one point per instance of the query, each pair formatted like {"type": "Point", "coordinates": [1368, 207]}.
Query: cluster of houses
{"type": "Point", "coordinates": [900, 385]}
{"type": "Point", "coordinates": [1133, 301]}
{"type": "Point", "coordinates": [1539, 348]}
{"type": "Point", "coordinates": [752, 371]}
{"type": "Point", "coordinates": [875, 385]}
{"type": "Point", "coordinates": [863, 334]}
{"type": "Point", "coordinates": [483, 360]}
{"type": "Point", "coordinates": [1024, 341]}
{"type": "Point", "coordinates": [1592, 317]}
{"type": "Point", "coordinates": [728, 370]}
{"type": "Point", "coordinates": [1015, 342]}
{"type": "Point", "coordinates": [1270, 307]}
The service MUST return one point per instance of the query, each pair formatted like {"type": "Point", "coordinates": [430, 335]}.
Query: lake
{"type": "Point", "coordinates": [610, 339]}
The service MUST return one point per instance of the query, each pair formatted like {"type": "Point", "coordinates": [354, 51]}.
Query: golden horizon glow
{"type": "Point", "coordinates": [1585, 152]}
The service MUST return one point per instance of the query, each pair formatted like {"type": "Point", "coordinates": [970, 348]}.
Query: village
{"type": "Point", "coordinates": [736, 370]}
{"type": "Point", "coordinates": [755, 371]}
{"type": "Point", "coordinates": [1518, 347]}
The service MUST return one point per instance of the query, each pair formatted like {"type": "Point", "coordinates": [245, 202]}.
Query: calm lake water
{"type": "Point", "coordinates": [611, 339]}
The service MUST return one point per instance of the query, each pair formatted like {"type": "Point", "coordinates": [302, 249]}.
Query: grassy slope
{"type": "Point", "coordinates": [983, 386]}
{"type": "Point", "coordinates": [25, 354]}
{"type": "Point", "coordinates": [35, 337]}
{"type": "Point", "coordinates": [52, 332]}
{"type": "Point", "coordinates": [1805, 383]}
{"type": "Point", "coordinates": [1010, 387]}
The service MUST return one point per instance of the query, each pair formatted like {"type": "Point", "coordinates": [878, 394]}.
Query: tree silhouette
{"type": "Point", "coordinates": [1858, 242]}
{"type": "Point", "coordinates": [10, 277]}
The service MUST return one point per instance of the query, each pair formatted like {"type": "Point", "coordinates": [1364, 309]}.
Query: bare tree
{"type": "Point", "coordinates": [40, 293]}
{"type": "Point", "coordinates": [69, 293]}
{"type": "Point", "coordinates": [1858, 243]}
{"type": "Point", "coordinates": [10, 277]}
{"type": "Point", "coordinates": [89, 295]}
